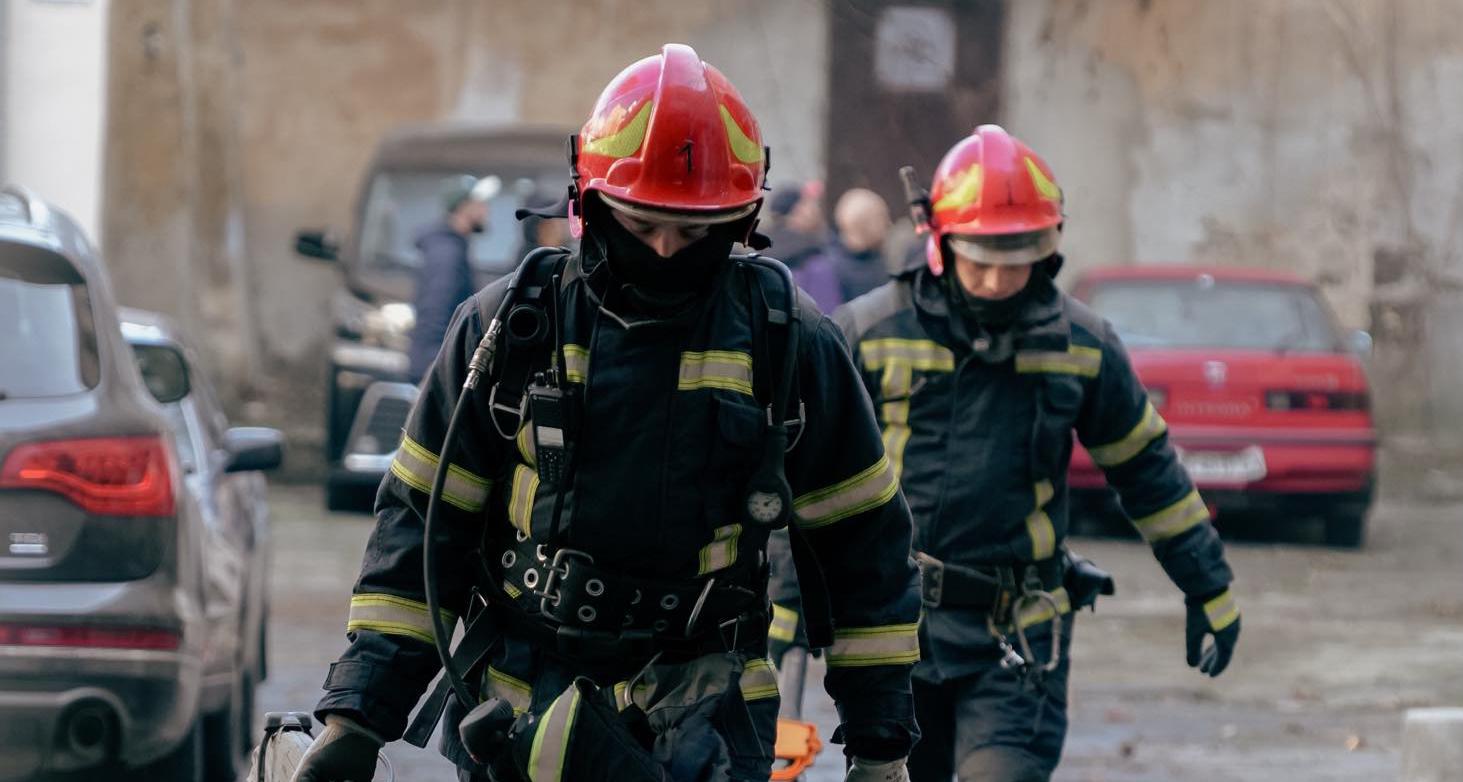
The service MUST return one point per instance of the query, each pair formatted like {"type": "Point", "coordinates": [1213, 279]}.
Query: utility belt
{"type": "Point", "coordinates": [991, 588]}
{"type": "Point", "coordinates": [562, 602]}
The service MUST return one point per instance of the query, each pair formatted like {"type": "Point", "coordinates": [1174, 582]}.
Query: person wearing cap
{"type": "Point", "coordinates": [980, 370]}
{"type": "Point", "coordinates": [444, 279]}
{"type": "Point", "coordinates": [796, 228]}
{"type": "Point", "coordinates": [621, 558]}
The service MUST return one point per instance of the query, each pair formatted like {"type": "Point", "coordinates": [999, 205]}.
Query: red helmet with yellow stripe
{"type": "Point", "coordinates": [994, 201]}
{"type": "Point", "coordinates": [671, 135]}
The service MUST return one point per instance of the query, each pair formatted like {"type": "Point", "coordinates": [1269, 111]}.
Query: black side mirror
{"type": "Point", "coordinates": [317, 244]}
{"type": "Point", "coordinates": [253, 448]}
{"type": "Point", "coordinates": [164, 371]}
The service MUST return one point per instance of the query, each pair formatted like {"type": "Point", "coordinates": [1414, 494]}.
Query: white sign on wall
{"type": "Point", "coordinates": [914, 48]}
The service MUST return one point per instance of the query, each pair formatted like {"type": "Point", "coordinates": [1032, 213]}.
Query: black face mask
{"type": "Point", "coordinates": [999, 313]}
{"type": "Point", "coordinates": [633, 262]}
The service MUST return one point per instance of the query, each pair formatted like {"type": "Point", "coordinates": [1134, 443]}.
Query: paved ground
{"type": "Point", "coordinates": [1336, 646]}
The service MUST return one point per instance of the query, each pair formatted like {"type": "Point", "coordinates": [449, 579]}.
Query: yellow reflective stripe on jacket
{"type": "Point", "coordinates": [1222, 611]}
{"type": "Point", "coordinates": [1176, 519]}
{"type": "Point", "coordinates": [784, 625]}
{"type": "Point", "coordinates": [726, 369]}
{"type": "Point", "coordinates": [864, 646]}
{"type": "Point", "coordinates": [525, 444]}
{"type": "Point", "coordinates": [1076, 360]}
{"type": "Point", "coordinates": [515, 691]}
{"type": "Point", "coordinates": [721, 552]}
{"type": "Point", "coordinates": [1039, 524]}
{"type": "Point", "coordinates": [393, 615]}
{"type": "Point", "coordinates": [1034, 612]}
{"type": "Point", "coordinates": [1148, 429]}
{"type": "Point", "coordinates": [576, 363]}
{"type": "Point", "coordinates": [759, 680]}
{"type": "Point", "coordinates": [923, 354]}
{"type": "Point", "coordinates": [520, 500]}
{"type": "Point", "coordinates": [550, 746]}
{"type": "Point", "coordinates": [416, 467]}
{"type": "Point", "coordinates": [869, 489]}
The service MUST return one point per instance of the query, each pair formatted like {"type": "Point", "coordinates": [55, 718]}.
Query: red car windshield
{"type": "Point", "coordinates": [1208, 313]}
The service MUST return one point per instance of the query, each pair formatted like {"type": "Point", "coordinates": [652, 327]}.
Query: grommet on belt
{"type": "Point", "coordinates": [510, 558]}
{"type": "Point", "coordinates": [586, 614]}
{"type": "Point", "coordinates": [669, 602]}
{"type": "Point", "coordinates": [594, 587]}
{"type": "Point", "coordinates": [530, 578]}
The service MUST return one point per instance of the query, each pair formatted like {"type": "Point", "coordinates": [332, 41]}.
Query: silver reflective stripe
{"type": "Point", "coordinates": [1075, 360]}
{"type": "Point", "coordinates": [1149, 427]}
{"type": "Point", "coordinates": [721, 552]}
{"type": "Point", "coordinates": [916, 353]}
{"type": "Point", "coordinates": [865, 491]}
{"type": "Point", "coordinates": [1222, 611]}
{"type": "Point", "coordinates": [515, 691]}
{"type": "Point", "coordinates": [393, 615]}
{"type": "Point", "coordinates": [726, 369]}
{"type": "Point", "coordinates": [1176, 519]}
{"type": "Point", "coordinates": [520, 500]}
{"type": "Point", "coordinates": [576, 363]}
{"type": "Point", "coordinates": [550, 748]}
{"type": "Point", "coordinates": [1039, 524]}
{"type": "Point", "coordinates": [416, 467]}
{"type": "Point", "coordinates": [863, 646]}
{"type": "Point", "coordinates": [759, 680]}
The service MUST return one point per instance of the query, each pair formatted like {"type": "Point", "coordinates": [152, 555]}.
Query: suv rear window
{"type": "Point", "coordinates": [50, 346]}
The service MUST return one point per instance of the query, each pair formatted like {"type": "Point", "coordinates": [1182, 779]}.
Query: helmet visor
{"type": "Point", "coordinates": [1006, 249]}
{"type": "Point", "coordinates": [676, 217]}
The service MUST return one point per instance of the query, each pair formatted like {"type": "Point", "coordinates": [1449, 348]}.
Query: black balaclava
{"type": "Point", "coordinates": [633, 263]}
{"type": "Point", "coordinates": [1000, 313]}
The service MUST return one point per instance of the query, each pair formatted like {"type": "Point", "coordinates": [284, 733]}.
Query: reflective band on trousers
{"type": "Point", "coordinates": [759, 680]}
{"type": "Point", "coordinates": [721, 552]}
{"type": "Point", "coordinates": [1176, 519]}
{"type": "Point", "coordinates": [784, 625]}
{"type": "Point", "coordinates": [520, 500]}
{"type": "Point", "coordinates": [576, 363]}
{"type": "Point", "coordinates": [863, 646]}
{"type": "Point", "coordinates": [551, 740]}
{"type": "Point", "coordinates": [1076, 360]}
{"type": "Point", "coordinates": [1222, 611]}
{"type": "Point", "coordinates": [515, 691]}
{"type": "Point", "coordinates": [1148, 428]}
{"type": "Point", "coordinates": [1039, 525]}
{"type": "Point", "coordinates": [393, 615]}
{"type": "Point", "coordinates": [726, 369]}
{"type": "Point", "coordinates": [865, 491]}
{"type": "Point", "coordinates": [416, 467]}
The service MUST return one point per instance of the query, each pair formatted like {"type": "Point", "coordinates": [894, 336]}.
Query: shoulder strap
{"type": "Point", "coordinates": [512, 371]}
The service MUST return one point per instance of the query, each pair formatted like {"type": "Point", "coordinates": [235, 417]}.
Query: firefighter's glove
{"type": "Point", "coordinates": [861, 770]}
{"type": "Point", "coordinates": [344, 752]}
{"type": "Point", "coordinates": [1218, 615]}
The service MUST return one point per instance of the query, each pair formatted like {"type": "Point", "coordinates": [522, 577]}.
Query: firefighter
{"type": "Point", "coordinates": [634, 579]}
{"type": "Point", "coordinates": [981, 369]}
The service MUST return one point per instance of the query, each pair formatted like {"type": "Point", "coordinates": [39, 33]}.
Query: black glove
{"type": "Point", "coordinates": [1218, 615]}
{"type": "Point", "coordinates": [344, 752]}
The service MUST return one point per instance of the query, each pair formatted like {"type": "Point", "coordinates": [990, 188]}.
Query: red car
{"type": "Point", "coordinates": [1266, 399]}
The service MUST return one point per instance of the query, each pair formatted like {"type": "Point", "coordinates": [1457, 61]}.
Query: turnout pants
{"type": "Point", "coordinates": [985, 723]}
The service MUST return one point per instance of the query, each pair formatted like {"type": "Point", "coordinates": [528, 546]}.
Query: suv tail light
{"type": "Point", "coordinates": [1317, 400]}
{"type": "Point", "coordinates": [89, 637]}
{"type": "Point", "coordinates": [106, 476]}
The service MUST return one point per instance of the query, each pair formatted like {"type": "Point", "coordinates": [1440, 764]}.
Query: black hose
{"type": "Point", "coordinates": [441, 635]}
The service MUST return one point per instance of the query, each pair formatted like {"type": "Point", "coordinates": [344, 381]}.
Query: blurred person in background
{"type": "Point", "coordinates": [444, 279]}
{"type": "Point", "coordinates": [861, 223]}
{"type": "Point", "coordinates": [794, 224]}
{"type": "Point", "coordinates": [980, 370]}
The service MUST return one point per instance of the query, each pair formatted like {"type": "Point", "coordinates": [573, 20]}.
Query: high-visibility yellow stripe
{"type": "Point", "coordinates": [726, 369]}
{"type": "Point", "coordinates": [621, 137]}
{"type": "Point", "coordinates": [869, 489]}
{"type": "Point", "coordinates": [784, 625]}
{"type": "Point", "coordinates": [1039, 524]}
{"type": "Point", "coordinates": [576, 363]}
{"type": "Point", "coordinates": [1148, 429]}
{"type": "Point", "coordinates": [922, 354]}
{"type": "Point", "coordinates": [416, 467]}
{"type": "Point", "coordinates": [512, 590]}
{"type": "Point", "coordinates": [1175, 519]}
{"type": "Point", "coordinates": [515, 691]}
{"type": "Point", "coordinates": [1077, 360]}
{"type": "Point", "coordinates": [759, 680]}
{"type": "Point", "coordinates": [520, 500]}
{"type": "Point", "coordinates": [721, 552]}
{"type": "Point", "coordinates": [961, 188]}
{"type": "Point", "coordinates": [744, 148]}
{"type": "Point", "coordinates": [526, 447]}
{"type": "Point", "coordinates": [1222, 611]}
{"type": "Point", "coordinates": [864, 646]}
{"type": "Point", "coordinates": [550, 746]}
{"type": "Point", "coordinates": [1034, 612]}
{"type": "Point", "coordinates": [1045, 187]}
{"type": "Point", "coordinates": [393, 615]}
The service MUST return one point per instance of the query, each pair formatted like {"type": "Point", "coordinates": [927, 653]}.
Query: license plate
{"type": "Point", "coordinates": [1244, 466]}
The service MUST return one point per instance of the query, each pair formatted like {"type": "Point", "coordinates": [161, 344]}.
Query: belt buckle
{"type": "Point", "coordinates": [931, 579]}
{"type": "Point", "coordinates": [558, 570]}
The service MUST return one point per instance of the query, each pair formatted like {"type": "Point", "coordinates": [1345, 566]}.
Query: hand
{"type": "Point", "coordinates": [1215, 615]}
{"type": "Point", "coordinates": [344, 752]}
{"type": "Point", "coordinates": [871, 771]}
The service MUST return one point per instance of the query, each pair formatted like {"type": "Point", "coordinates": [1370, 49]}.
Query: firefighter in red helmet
{"type": "Point", "coordinates": [657, 408]}
{"type": "Point", "coordinates": [980, 370]}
